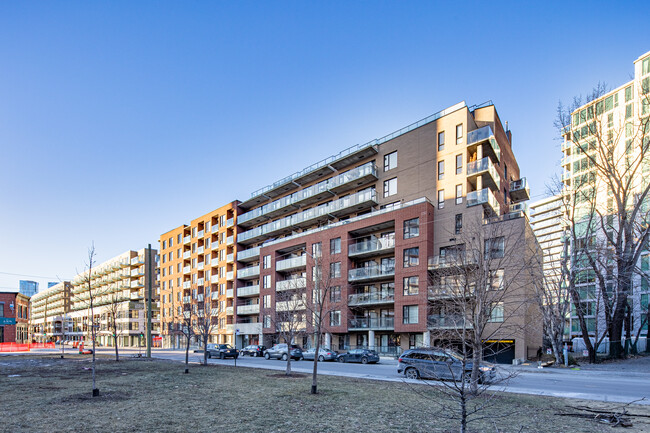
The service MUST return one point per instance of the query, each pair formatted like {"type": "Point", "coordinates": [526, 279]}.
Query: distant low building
{"type": "Point", "coordinates": [14, 317]}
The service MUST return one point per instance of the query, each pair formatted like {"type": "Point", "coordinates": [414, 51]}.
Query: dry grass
{"type": "Point", "coordinates": [51, 394]}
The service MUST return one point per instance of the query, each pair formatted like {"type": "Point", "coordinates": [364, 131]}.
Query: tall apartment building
{"type": "Point", "coordinates": [122, 282]}
{"type": "Point", "coordinates": [616, 117]}
{"type": "Point", "coordinates": [197, 273]}
{"type": "Point", "coordinates": [28, 288]}
{"type": "Point", "coordinates": [49, 308]}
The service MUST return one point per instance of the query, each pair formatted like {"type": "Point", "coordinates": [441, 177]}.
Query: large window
{"type": "Point", "coordinates": [411, 228]}
{"type": "Point", "coordinates": [335, 270]}
{"type": "Point", "coordinates": [410, 314]}
{"type": "Point", "coordinates": [390, 161]}
{"type": "Point", "coordinates": [390, 187]}
{"type": "Point", "coordinates": [335, 294]}
{"type": "Point", "coordinates": [441, 198]}
{"type": "Point", "coordinates": [494, 248]}
{"type": "Point", "coordinates": [266, 261]}
{"type": "Point", "coordinates": [458, 226]}
{"type": "Point", "coordinates": [496, 315]}
{"type": "Point", "coordinates": [459, 134]}
{"type": "Point", "coordinates": [441, 141]}
{"type": "Point", "coordinates": [411, 257]}
{"type": "Point", "coordinates": [335, 318]}
{"type": "Point", "coordinates": [495, 281]}
{"type": "Point", "coordinates": [459, 164]}
{"type": "Point", "coordinates": [459, 194]}
{"type": "Point", "coordinates": [441, 170]}
{"type": "Point", "coordinates": [411, 285]}
{"type": "Point", "coordinates": [335, 246]}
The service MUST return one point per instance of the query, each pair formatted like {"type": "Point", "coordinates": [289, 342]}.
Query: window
{"type": "Point", "coordinates": [390, 187]}
{"type": "Point", "coordinates": [459, 134]}
{"type": "Point", "coordinates": [494, 248]}
{"type": "Point", "coordinates": [459, 194]}
{"type": "Point", "coordinates": [629, 93]}
{"type": "Point", "coordinates": [335, 318]}
{"type": "Point", "coordinates": [496, 314]}
{"type": "Point", "coordinates": [390, 161]}
{"type": "Point", "coordinates": [629, 111]}
{"type": "Point", "coordinates": [441, 170]}
{"type": "Point", "coordinates": [458, 227]}
{"type": "Point", "coordinates": [316, 250]}
{"type": "Point", "coordinates": [267, 321]}
{"type": "Point", "coordinates": [441, 141]}
{"type": "Point", "coordinates": [411, 257]}
{"type": "Point", "coordinates": [171, 242]}
{"type": "Point", "coordinates": [335, 246]}
{"type": "Point", "coordinates": [335, 294]}
{"type": "Point", "coordinates": [335, 270]}
{"type": "Point", "coordinates": [164, 245]}
{"type": "Point", "coordinates": [179, 239]}
{"type": "Point", "coordinates": [411, 228]}
{"type": "Point", "coordinates": [441, 198]}
{"type": "Point", "coordinates": [266, 301]}
{"type": "Point", "coordinates": [411, 285]}
{"type": "Point", "coordinates": [410, 314]}
{"type": "Point", "coordinates": [495, 281]}
{"type": "Point", "coordinates": [266, 262]}
{"type": "Point", "coordinates": [645, 66]}
{"type": "Point", "coordinates": [266, 282]}
{"type": "Point", "coordinates": [459, 164]}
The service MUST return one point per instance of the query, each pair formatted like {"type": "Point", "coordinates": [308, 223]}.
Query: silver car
{"type": "Point", "coordinates": [435, 363]}
{"type": "Point", "coordinates": [324, 354]}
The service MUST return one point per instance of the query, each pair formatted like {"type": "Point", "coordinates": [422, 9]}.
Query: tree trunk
{"type": "Point", "coordinates": [314, 374]}
{"type": "Point", "coordinates": [557, 353]}
{"type": "Point", "coordinates": [187, 356]}
{"type": "Point", "coordinates": [288, 369]}
{"type": "Point", "coordinates": [117, 355]}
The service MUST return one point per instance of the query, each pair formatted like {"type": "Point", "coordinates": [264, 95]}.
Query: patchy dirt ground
{"type": "Point", "coordinates": [45, 393]}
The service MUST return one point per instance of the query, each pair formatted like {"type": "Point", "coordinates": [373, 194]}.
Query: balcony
{"type": "Point", "coordinates": [200, 234]}
{"type": "Point", "coordinates": [214, 296]}
{"type": "Point", "coordinates": [134, 273]}
{"type": "Point", "coordinates": [519, 190]}
{"type": "Point", "coordinates": [489, 176]}
{"type": "Point", "coordinates": [251, 236]}
{"type": "Point", "coordinates": [230, 222]}
{"type": "Point", "coordinates": [200, 250]}
{"type": "Point", "coordinates": [291, 283]}
{"type": "Point", "coordinates": [278, 207]}
{"type": "Point", "coordinates": [293, 304]}
{"type": "Point", "coordinates": [137, 261]}
{"type": "Point", "coordinates": [249, 273]}
{"type": "Point", "coordinates": [484, 135]}
{"type": "Point", "coordinates": [249, 255]}
{"type": "Point", "coordinates": [248, 309]}
{"type": "Point", "coordinates": [230, 258]}
{"type": "Point", "coordinates": [374, 323]}
{"type": "Point", "coordinates": [451, 290]}
{"type": "Point", "coordinates": [230, 275]}
{"type": "Point", "coordinates": [187, 239]}
{"type": "Point", "coordinates": [243, 292]}
{"type": "Point", "coordinates": [486, 198]}
{"type": "Point", "coordinates": [291, 263]}
{"type": "Point", "coordinates": [371, 273]}
{"type": "Point", "coordinates": [186, 254]}
{"type": "Point", "coordinates": [312, 194]}
{"type": "Point", "coordinates": [199, 297]}
{"type": "Point", "coordinates": [230, 240]}
{"type": "Point", "coordinates": [214, 279]}
{"type": "Point", "coordinates": [187, 284]}
{"type": "Point", "coordinates": [187, 299]}
{"type": "Point", "coordinates": [249, 328]}
{"type": "Point", "coordinates": [200, 266]}
{"type": "Point", "coordinates": [354, 178]}
{"type": "Point", "coordinates": [186, 269]}
{"type": "Point", "coordinates": [137, 283]}
{"type": "Point", "coordinates": [214, 262]}
{"type": "Point", "coordinates": [310, 216]}
{"type": "Point", "coordinates": [456, 261]}
{"type": "Point", "coordinates": [230, 293]}
{"type": "Point", "coordinates": [446, 321]}
{"type": "Point", "coordinates": [215, 228]}
{"type": "Point", "coordinates": [230, 311]}
{"type": "Point", "coordinates": [363, 200]}
{"type": "Point", "coordinates": [200, 281]}
{"type": "Point", "coordinates": [371, 247]}
{"type": "Point", "coordinates": [250, 218]}
{"type": "Point", "coordinates": [371, 298]}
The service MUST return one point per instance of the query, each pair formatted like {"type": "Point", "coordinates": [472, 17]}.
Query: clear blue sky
{"type": "Point", "coordinates": [115, 117]}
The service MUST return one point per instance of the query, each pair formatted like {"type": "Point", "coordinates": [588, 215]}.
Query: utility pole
{"type": "Point", "coordinates": [149, 292]}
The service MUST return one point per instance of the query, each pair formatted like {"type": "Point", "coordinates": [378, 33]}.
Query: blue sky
{"type": "Point", "coordinates": [115, 116]}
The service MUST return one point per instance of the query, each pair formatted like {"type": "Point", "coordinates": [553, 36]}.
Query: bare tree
{"type": "Point", "coordinates": [614, 154]}
{"type": "Point", "coordinates": [113, 313]}
{"type": "Point", "coordinates": [86, 281]}
{"type": "Point", "coordinates": [186, 329]}
{"type": "Point", "coordinates": [205, 325]}
{"type": "Point", "coordinates": [479, 293]}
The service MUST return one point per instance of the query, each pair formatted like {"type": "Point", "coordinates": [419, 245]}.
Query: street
{"type": "Point", "coordinates": [612, 386]}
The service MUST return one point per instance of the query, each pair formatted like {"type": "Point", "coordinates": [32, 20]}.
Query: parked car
{"type": "Point", "coordinates": [221, 351]}
{"type": "Point", "coordinates": [253, 350]}
{"type": "Point", "coordinates": [363, 356]}
{"type": "Point", "coordinates": [281, 351]}
{"type": "Point", "coordinates": [324, 354]}
{"type": "Point", "coordinates": [436, 363]}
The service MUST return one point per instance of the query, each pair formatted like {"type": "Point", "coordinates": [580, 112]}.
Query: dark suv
{"type": "Point", "coordinates": [221, 351]}
{"type": "Point", "coordinates": [436, 363]}
{"type": "Point", "coordinates": [253, 350]}
{"type": "Point", "coordinates": [281, 351]}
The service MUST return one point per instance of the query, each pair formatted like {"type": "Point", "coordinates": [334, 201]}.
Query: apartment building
{"type": "Point", "coordinates": [14, 317]}
{"type": "Point", "coordinates": [50, 308]}
{"type": "Point", "coordinates": [197, 275]}
{"type": "Point", "coordinates": [614, 120]}
{"type": "Point", "coordinates": [118, 288]}
{"type": "Point", "coordinates": [385, 217]}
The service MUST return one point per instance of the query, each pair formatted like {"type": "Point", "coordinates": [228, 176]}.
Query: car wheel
{"type": "Point", "coordinates": [267, 356]}
{"type": "Point", "coordinates": [222, 356]}
{"type": "Point", "coordinates": [412, 373]}
{"type": "Point", "coordinates": [254, 355]}
{"type": "Point", "coordinates": [321, 358]}
{"type": "Point", "coordinates": [284, 357]}
{"type": "Point", "coordinates": [341, 359]}
{"type": "Point", "coordinates": [209, 355]}
{"type": "Point", "coordinates": [364, 360]}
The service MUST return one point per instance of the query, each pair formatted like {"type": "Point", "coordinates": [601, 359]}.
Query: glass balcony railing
{"type": "Point", "coordinates": [250, 234]}
{"type": "Point", "coordinates": [482, 166]}
{"type": "Point", "coordinates": [230, 222]}
{"type": "Point", "coordinates": [292, 283]}
{"type": "Point", "coordinates": [371, 246]}
{"type": "Point", "coordinates": [186, 239]}
{"type": "Point", "coordinates": [230, 275]}
{"type": "Point", "coordinates": [200, 234]}
{"type": "Point", "coordinates": [248, 309]}
{"type": "Point", "coordinates": [437, 321]}
{"type": "Point", "coordinates": [187, 284]}
{"type": "Point", "coordinates": [482, 134]}
{"type": "Point", "coordinates": [370, 298]}
{"type": "Point", "coordinates": [186, 270]}
{"type": "Point", "coordinates": [214, 279]}
{"type": "Point", "coordinates": [248, 291]}
{"type": "Point", "coordinates": [352, 200]}
{"type": "Point", "coordinates": [372, 323]}
{"type": "Point", "coordinates": [292, 263]}
{"type": "Point", "coordinates": [519, 190]}
{"type": "Point", "coordinates": [230, 240]}
{"type": "Point", "coordinates": [371, 272]}
{"type": "Point", "coordinates": [368, 169]}
{"type": "Point", "coordinates": [484, 197]}
{"type": "Point", "coordinates": [250, 272]}
{"type": "Point", "coordinates": [248, 254]}
{"type": "Point", "coordinates": [186, 254]}
{"type": "Point", "coordinates": [200, 250]}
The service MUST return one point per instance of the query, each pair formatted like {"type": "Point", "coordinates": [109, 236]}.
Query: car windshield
{"type": "Point", "coordinates": [455, 356]}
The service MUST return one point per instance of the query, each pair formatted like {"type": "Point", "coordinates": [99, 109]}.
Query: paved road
{"type": "Point", "coordinates": [613, 386]}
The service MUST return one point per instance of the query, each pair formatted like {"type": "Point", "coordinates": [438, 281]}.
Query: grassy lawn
{"type": "Point", "coordinates": [51, 394]}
